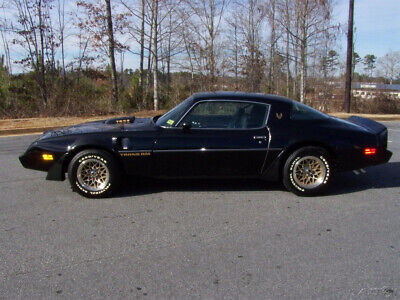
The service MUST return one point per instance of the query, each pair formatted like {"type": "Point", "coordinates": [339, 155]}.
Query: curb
{"type": "Point", "coordinates": [32, 130]}
{"type": "Point", "coordinates": [375, 118]}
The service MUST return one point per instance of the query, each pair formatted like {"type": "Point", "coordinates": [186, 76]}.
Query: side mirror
{"type": "Point", "coordinates": [186, 126]}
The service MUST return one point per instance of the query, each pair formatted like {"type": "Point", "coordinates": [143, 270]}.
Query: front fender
{"type": "Point", "coordinates": [108, 144]}
{"type": "Point", "coordinates": [56, 171]}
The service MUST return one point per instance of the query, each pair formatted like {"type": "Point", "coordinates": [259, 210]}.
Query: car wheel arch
{"type": "Point", "coordinates": [296, 146]}
{"type": "Point", "coordinates": [81, 148]}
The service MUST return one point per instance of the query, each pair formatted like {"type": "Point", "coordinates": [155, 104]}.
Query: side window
{"type": "Point", "coordinates": [227, 114]}
{"type": "Point", "coordinates": [304, 112]}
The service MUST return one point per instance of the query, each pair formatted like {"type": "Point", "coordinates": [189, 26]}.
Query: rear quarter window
{"type": "Point", "coordinates": [300, 111]}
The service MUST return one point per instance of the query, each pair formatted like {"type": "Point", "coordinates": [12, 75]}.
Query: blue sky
{"type": "Point", "coordinates": [377, 25]}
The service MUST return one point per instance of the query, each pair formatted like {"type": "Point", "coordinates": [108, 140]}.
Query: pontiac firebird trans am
{"type": "Point", "coordinates": [217, 135]}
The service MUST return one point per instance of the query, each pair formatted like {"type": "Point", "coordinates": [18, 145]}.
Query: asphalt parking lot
{"type": "Point", "coordinates": [199, 239]}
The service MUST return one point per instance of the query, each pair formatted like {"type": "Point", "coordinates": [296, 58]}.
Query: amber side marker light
{"type": "Point", "coordinates": [369, 151]}
{"type": "Point", "coordinates": [47, 156]}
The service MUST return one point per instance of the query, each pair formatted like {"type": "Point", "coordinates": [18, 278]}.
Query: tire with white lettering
{"type": "Point", "coordinates": [307, 171]}
{"type": "Point", "coordinates": [93, 173]}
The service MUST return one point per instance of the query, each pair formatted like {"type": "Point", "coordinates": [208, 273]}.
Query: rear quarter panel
{"type": "Point", "coordinates": [344, 143]}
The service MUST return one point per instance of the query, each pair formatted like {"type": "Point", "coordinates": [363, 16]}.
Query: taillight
{"type": "Point", "coordinates": [369, 151]}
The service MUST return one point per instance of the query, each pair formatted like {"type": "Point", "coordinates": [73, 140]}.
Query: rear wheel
{"type": "Point", "coordinates": [93, 173]}
{"type": "Point", "coordinates": [307, 171]}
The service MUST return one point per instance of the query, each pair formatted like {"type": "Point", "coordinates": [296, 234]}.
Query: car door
{"type": "Point", "coordinates": [215, 138]}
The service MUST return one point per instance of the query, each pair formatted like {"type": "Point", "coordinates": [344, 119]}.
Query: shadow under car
{"type": "Point", "coordinates": [376, 177]}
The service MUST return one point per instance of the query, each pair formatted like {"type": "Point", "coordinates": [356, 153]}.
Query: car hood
{"type": "Point", "coordinates": [137, 124]}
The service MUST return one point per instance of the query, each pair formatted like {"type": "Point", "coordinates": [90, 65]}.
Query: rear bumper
{"type": "Point", "coordinates": [357, 160]}
{"type": "Point", "coordinates": [386, 156]}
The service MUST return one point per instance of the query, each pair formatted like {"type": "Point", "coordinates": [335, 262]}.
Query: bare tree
{"type": "Point", "coordinates": [142, 33]}
{"type": "Point", "coordinates": [61, 29]}
{"type": "Point", "coordinates": [272, 44]}
{"type": "Point", "coordinates": [233, 47]}
{"type": "Point", "coordinates": [140, 30]}
{"type": "Point", "coordinates": [82, 57]}
{"type": "Point", "coordinates": [285, 9]}
{"type": "Point", "coordinates": [100, 27]}
{"type": "Point", "coordinates": [288, 21]}
{"type": "Point", "coordinates": [250, 19]}
{"type": "Point", "coordinates": [389, 65]}
{"type": "Point", "coordinates": [31, 31]}
{"type": "Point", "coordinates": [155, 53]}
{"type": "Point", "coordinates": [42, 77]}
{"type": "Point", "coordinates": [111, 50]}
{"type": "Point", "coordinates": [189, 50]}
{"type": "Point", "coordinates": [4, 30]}
{"type": "Point", "coordinates": [155, 37]}
{"type": "Point", "coordinates": [204, 30]}
{"type": "Point", "coordinates": [314, 20]}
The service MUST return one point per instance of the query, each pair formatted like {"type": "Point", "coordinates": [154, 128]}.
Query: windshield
{"type": "Point", "coordinates": [170, 118]}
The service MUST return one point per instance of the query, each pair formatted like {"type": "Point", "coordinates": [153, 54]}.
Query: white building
{"type": "Point", "coordinates": [366, 90]}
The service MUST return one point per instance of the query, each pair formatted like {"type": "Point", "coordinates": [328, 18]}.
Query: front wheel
{"type": "Point", "coordinates": [93, 173]}
{"type": "Point", "coordinates": [307, 171]}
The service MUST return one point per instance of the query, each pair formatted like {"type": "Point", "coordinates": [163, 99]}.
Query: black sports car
{"type": "Point", "coordinates": [223, 134]}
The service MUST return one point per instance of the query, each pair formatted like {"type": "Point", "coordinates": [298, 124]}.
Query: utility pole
{"type": "Point", "coordinates": [111, 49]}
{"type": "Point", "coordinates": [349, 61]}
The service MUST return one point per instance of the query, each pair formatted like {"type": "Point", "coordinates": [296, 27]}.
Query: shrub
{"type": "Point", "coordinates": [381, 104]}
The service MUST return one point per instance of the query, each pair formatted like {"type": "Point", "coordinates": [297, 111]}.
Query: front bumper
{"type": "Point", "coordinates": [32, 159]}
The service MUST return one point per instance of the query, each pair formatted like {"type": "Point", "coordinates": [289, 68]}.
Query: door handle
{"type": "Point", "coordinates": [260, 138]}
